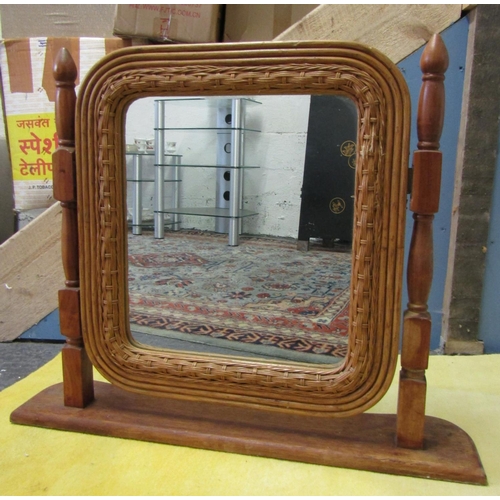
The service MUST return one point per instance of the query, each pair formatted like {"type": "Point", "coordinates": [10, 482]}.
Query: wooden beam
{"type": "Point", "coordinates": [396, 30]}
{"type": "Point", "coordinates": [31, 272]}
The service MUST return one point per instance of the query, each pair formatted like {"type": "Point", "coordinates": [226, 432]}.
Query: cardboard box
{"type": "Point", "coordinates": [28, 98]}
{"type": "Point", "coordinates": [261, 22]}
{"type": "Point", "coordinates": [169, 23]}
{"type": "Point", "coordinates": [58, 20]}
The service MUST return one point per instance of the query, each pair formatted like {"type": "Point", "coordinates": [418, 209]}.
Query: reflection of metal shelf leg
{"type": "Point", "coordinates": [159, 199]}
{"type": "Point", "coordinates": [234, 200]}
{"type": "Point", "coordinates": [241, 162]}
{"type": "Point", "coordinates": [176, 219]}
{"type": "Point", "coordinates": [137, 195]}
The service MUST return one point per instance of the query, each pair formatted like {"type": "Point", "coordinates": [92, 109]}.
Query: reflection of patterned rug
{"type": "Point", "coordinates": [262, 292]}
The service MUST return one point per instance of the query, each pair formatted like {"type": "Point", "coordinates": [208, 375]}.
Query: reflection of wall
{"type": "Point", "coordinates": [272, 190]}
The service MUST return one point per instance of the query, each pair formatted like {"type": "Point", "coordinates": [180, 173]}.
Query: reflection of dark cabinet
{"type": "Point", "coordinates": [327, 206]}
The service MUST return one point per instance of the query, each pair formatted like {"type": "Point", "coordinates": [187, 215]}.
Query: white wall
{"type": "Point", "coordinates": [273, 190]}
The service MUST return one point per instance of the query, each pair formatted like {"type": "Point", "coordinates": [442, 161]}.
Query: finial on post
{"type": "Point", "coordinates": [64, 67]}
{"type": "Point", "coordinates": [65, 74]}
{"type": "Point", "coordinates": [433, 63]}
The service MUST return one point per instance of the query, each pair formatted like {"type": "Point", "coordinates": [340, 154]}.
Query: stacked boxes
{"type": "Point", "coordinates": [28, 97]}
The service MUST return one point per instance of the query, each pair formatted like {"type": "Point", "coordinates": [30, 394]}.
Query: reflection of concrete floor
{"type": "Point", "coordinates": [199, 344]}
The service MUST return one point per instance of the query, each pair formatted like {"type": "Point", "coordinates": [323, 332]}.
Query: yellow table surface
{"type": "Point", "coordinates": [34, 461]}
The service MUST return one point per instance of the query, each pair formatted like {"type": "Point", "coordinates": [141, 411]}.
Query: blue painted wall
{"type": "Point", "coordinates": [455, 38]}
{"type": "Point", "coordinates": [489, 321]}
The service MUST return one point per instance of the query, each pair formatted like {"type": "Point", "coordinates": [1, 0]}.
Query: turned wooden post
{"type": "Point", "coordinates": [424, 203]}
{"type": "Point", "coordinates": [77, 368]}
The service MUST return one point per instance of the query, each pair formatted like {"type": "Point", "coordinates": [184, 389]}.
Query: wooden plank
{"type": "Point", "coordinates": [364, 442]}
{"type": "Point", "coordinates": [396, 30]}
{"type": "Point", "coordinates": [30, 274]}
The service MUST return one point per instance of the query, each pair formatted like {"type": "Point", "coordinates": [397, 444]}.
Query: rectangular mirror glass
{"type": "Point", "coordinates": [271, 296]}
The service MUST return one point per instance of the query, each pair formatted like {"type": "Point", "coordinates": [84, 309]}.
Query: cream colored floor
{"type": "Point", "coordinates": [33, 461]}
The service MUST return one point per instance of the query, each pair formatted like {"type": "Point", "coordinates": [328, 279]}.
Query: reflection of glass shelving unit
{"type": "Point", "coordinates": [138, 180]}
{"type": "Point", "coordinates": [229, 165]}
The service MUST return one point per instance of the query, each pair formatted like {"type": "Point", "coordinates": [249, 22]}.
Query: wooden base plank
{"type": "Point", "coordinates": [364, 442]}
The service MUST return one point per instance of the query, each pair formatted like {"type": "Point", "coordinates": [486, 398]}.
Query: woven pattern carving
{"type": "Point", "coordinates": [301, 387]}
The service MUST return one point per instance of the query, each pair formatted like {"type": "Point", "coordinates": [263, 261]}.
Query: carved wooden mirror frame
{"type": "Point", "coordinates": [94, 306]}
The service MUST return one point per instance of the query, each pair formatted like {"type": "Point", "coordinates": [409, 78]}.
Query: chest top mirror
{"type": "Point", "coordinates": [271, 407]}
